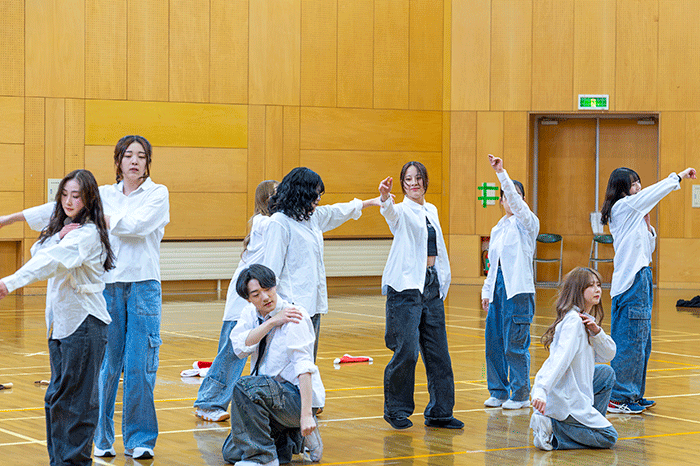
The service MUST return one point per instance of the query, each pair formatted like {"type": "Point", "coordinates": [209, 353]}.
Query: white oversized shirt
{"type": "Point", "coordinates": [408, 256]}
{"type": "Point", "coordinates": [137, 224]}
{"type": "Point", "coordinates": [512, 244]}
{"type": "Point", "coordinates": [289, 350]}
{"type": "Point", "coordinates": [252, 255]}
{"type": "Point", "coordinates": [294, 251]}
{"type": "Point", "coordinates": [565, 380]}
{"type": "Point", "coordinates": [633, 242]}
{"type": "Point", "coordinates": [74, 268]}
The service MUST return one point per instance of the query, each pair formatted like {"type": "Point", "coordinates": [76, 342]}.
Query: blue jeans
{"type": "Point", "coordinates": [570, 434]}
{"type": "Point", "coordinates": [217, 387]}
{"type": "Point", "coordinates": [630, 328]}
{"type": "Point", "coordinates": [508, 343]}
{"type": "Point", "coordinates": [71, 400]}
{"type": "Point", "coordinates": [265, 420]}
{"type": "Point", "coordinates": [133, 342]}
{"type": "Point", "coordinates": [416, 322]}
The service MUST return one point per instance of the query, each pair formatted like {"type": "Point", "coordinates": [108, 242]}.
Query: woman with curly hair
{"type": "Point", "coordinates": [294, 239]}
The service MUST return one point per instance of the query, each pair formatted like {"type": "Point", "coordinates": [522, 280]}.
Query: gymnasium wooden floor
{"type": "Point", "coordinates": [352, 427]}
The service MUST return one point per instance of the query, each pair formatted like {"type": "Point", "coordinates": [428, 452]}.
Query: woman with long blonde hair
{"type": "Point", "coordinates": [571, 393]}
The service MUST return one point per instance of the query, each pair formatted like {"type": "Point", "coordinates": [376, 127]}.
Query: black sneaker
{"type": "Point", "coordinates": [400, 424]}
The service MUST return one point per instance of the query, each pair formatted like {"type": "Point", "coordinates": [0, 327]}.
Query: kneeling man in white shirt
{"type": "Point", "coordinates": [275, 406]}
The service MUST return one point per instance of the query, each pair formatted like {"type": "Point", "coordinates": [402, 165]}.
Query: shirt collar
{"type": "Point", "coordinates": [146, 184]}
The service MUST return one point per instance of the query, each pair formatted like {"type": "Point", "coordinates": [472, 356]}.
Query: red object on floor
{"type": "Point", "coordinates": [201, 364]}
{"type": "Point", "coordinates": [348, 358]}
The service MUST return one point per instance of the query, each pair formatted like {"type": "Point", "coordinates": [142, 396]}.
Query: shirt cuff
{"type": "Point", "coordinates": [538, 393]}
{"type": "Point", "coordinates": [303, 367]}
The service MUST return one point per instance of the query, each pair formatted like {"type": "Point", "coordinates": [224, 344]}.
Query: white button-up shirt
{"type": "Point", "coordinates": [252, 255]}
{"type": "Point", "coordinates": [408, 256]}
{"type": "Point", "coordinates": [74, 268]}
{"type": "Point", "coordinates": [632, 240]}
{"type": "Point", "coordinates": [137, 224]}
{"type": "Point", "coordinates": [294, 251]}
{"type": "Point", "coordinates": [289, 350]}
{"type": "Point", "coordinates": [512, 244]}
{"type": "Point", "coordinates": [565, 380]}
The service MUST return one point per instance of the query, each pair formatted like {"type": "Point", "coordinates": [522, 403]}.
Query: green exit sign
{"type": "Point", "coordinates": [593, 102]}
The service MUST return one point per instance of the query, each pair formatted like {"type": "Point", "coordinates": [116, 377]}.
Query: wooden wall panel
{"type": "Point", "coordinates": [350, 129]}
{"type": "Point", "coordinates": [12, 120]}
{"type": "Point", "coordinates": [224, 215]}
{"type": "Point", "coordinates": [216, 170]}
{"type": "Point", "coordinates": [446, 175]}
{"type": "Point", "coordinates": [511, 54]}
{"type": "Point", "coordinates": [361, 171]}
{"type": "Point", "coordinates": [319, 53]}
{"type": "Point", "coordinates": [355, 52]}
{"type": "Point", "coordinates": [167, 124]}
{"type": "Point", "coordinates": [692, 159]}
{"type": "Point", "coordinates": [678, 263]}
{"type": "Point", "coordinates": [489, 140]}
{"type": "Point", "coordinates": [636, 57]}
{"type": "Point", "coordinates": [12, 173]}
{"type": "Point", "coordinates": [594, 47]}
{"type": "Point", "coordinates": [189, 50]}
{"type": "Point", "coordinates": [552, 57]}
{"type": "Point", "coordinates": [275, 48]}
{"type": "Point", "coordinates": [55, 138]}
{"type": "Point", "coordinates": [274, 142]}
{"type": "Point", "coordinates": [465, 259]}
{"type": "Point", "coordinates": [12, 45]}
{"type": "Point", "coordinates": [34, 181]}
{"type": "Point", "coordinates": [229, 52]}
{"type": "Point", "coordinates": [391, 27]}
{"type": "Point", "coordinates": [471, 54]}
{"type": "Point", "coordinates": [55, 48]}
{"type": "Point", "coordinates": [515, 144]}
{"type": "Point", "coordinates": [426, 55]}
{"type": "Point", "coordinates": [672, 150]}
{"type": "Point", "coordinates": [291, 139]}
{"type": "Point", "coordinates": [75, 135]}
{"type": "Point", "coordinates": [256, 153]}
{"type": "Point", "coordinates": [105, 49]}
{"type": "Point", "coordinates": [447, 57]}
{"type": "Point", "coordinates": [679, 40]}
{"type": "Point", "coordinates": [147, 50]}
{"type": "Point", "coordinates": [462, 173]}
{"type": "Point", "coordinates": [8, 262]}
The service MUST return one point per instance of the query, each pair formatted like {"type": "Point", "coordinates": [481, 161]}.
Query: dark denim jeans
{"type": "Point", "coordinates": [630, 328]}
{"type": "Point", "coordinates": [416, 322]}
{"type": "Point", "coordinates": [570, 434]}
{"type": "Point", "coordinates": [508, 343]}
{"type": "Point", "coordinates": [133, 345]}
{"type": "Point", "coordinates": [71, 401]}
{"type": "Point", "coordinates": [265, 416]}
{"type": "Point", "coordinates": [217, 387]}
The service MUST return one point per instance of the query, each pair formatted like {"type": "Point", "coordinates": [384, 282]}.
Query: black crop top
{"type": "Point", "coordinates": [432, 239]}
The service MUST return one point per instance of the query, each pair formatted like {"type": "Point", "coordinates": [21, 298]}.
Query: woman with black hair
{"type": "Point", "coordinates": [626, 209]}
{"type": "Point", "coordinates": [73, 252]}
{"type": "Point", "coordinates": [294, 239]}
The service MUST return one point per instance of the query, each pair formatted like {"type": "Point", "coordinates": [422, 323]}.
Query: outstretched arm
{"type": "Point", "coordinates": [6, 220]}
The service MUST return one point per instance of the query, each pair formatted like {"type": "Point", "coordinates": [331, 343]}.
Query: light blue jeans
{"type": "Point", "coordinates": [570, 434]}
{"type": "Point", "coordinates": [133, 342]}
{"type": "Point", "coordinates": [217, 387]}
{"type": "Point", "coordinates": [630, 328]}
{"type": "Point", "coordinates": [265, 418]}
{"type": "Point", "coordinates": [508, 343]}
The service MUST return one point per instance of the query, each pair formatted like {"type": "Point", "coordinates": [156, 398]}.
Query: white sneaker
{"type": "Point", "coordinates": [493, 402]}
{"type": "Point", "coordinates": [313, 445]}
{"type": "Point", "coordinates": [139, 453]}
{"type": "Point", "coordinates": [213, 415]}
{"type": "Point", "coordinates": [108, 453]}
{"type": "Point", "coordinates": [274, 462]}
{"type": "Point", "coordinates": [510, 404]}
{"type": "Point", "coordinates": [541, 431]}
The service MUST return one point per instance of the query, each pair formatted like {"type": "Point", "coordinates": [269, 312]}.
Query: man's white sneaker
{"type": "Point", "coordinates": [510, 404]}
{"type": "Point", "coordinates": [274, 462]}
{"type": "Point", "coordinates": [541, 431]}
{"type": "Point", "coordinates": [313, 445]}
{"type": "Point", "coordinates": [493, 402]}
{"type": "Point", "coordinates": [213, 415]}
{"type": "Point", "coordinates": [108, 453]}
{"type": "Point", "coordinates": [139, 453]}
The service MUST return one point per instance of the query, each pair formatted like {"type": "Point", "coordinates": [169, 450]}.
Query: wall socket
{"type": "Point", "coordinates": [696, 195]}
{"type": "Point", "coordinates": [52, 188]}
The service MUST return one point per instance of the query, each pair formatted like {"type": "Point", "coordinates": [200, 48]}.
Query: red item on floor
{"type": "Point", "coordinates": [348, 358]}
{"type": "Point", "coordinates": [201, 364]}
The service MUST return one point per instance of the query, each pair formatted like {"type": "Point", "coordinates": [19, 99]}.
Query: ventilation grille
{"type": "Point", "coordinates": [217, 260]}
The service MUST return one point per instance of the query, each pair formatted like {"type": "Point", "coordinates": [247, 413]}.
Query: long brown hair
{"type": "Point", "coordinates": [264, 191]}
{"type": "Point", "coordinates": [92, 212]}
{"type": "Point", "coordinates": [570, 295]}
